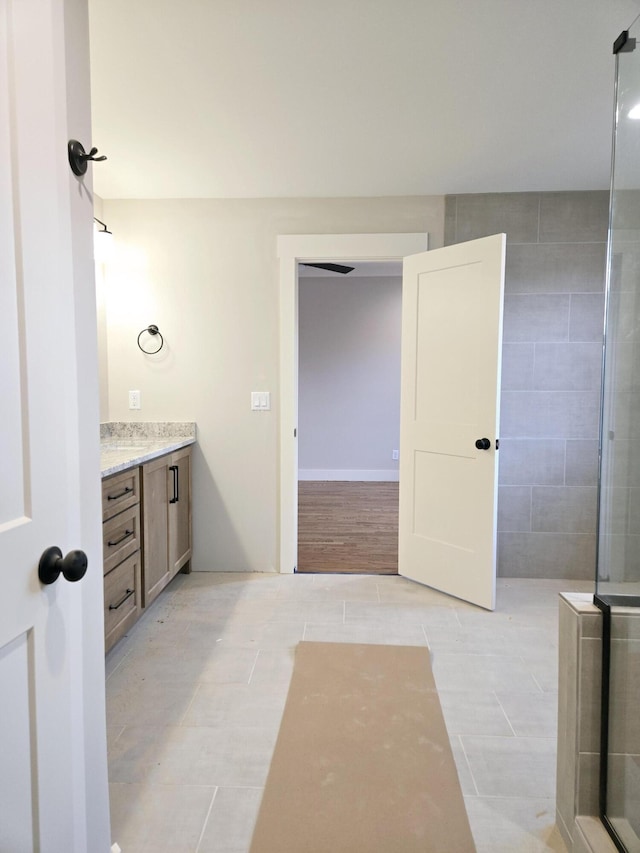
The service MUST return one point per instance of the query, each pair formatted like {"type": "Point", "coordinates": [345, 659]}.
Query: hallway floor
{"type": "Point", "coordinates": [195, 694]}
{"type": "Point", "coordinates": [348, 527]}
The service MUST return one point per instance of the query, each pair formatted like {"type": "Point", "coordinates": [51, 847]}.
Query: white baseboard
{"type": "Point", "coordinates": [382, 475]}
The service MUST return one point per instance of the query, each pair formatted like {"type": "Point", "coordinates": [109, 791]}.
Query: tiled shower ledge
{"type": "Point", "coordinates": [126, 444]}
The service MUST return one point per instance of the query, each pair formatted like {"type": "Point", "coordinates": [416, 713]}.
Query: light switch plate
{"type": "Point", "coordinates": [260, 401]}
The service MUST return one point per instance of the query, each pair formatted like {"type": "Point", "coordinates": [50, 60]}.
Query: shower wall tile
{"type": "Point", "coordinates": [551, 365]}
{"type": "Point", "coordinates": [586, 317]}
{"type": "Point", "coordinates": [622, 460]}
{"type": "Point", "coordinates": [633, 513]}
{"type": "Point", "coordinates": [627, 210]}
{"type": "Point", "coordinates": [567, 367]}
{"type": "Point", "coordinates": [624, 791]}
{"type": "Point", "coordinates": [550, 414]}
{"type": "Point", "coordinates": [515, 214]}
{"type": "Point", "coordinates": [532, 461]}
{"type": "Point", "coordinates": [546, 555]}
{"type": "Point", "coordinates": [626, 416]}
{"type": "Point", "coordinates": [556, 268]}
{"type": "Point", "coordinates": [588, 773]}
{"type": "Point", "coordinates": [517, 366]}
{"type": "Point", "coordinates": [574, 217]}
{"type": "Point", "coordinates": [514, 508]}
{"type": "Point", "coordinates": [623, 555]}
{"type": "Point", "coordinates": [581, 463]}
{"type": "Point", "coordinates": [626, 627]}
{"type": "Point", "coordinates": [625, 720]}
{"type": "Point", "coordinates": [589, 675]}
{"type": "Point", "coordinates": [450, 205]}
{"type": "Point", "coordinates": [621, 357]}
{"type": "Point", "coordinates": [623, 315]}
{"type": "Point", "coordinates": [536, 317]}
{"type": "Point", "coordinates": [615, 510]}
{"type": "Point", "coordinates": [563, 509]}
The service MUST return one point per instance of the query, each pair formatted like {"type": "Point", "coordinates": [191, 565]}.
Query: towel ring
{"type": "Point", "coordinates": [152, 330]}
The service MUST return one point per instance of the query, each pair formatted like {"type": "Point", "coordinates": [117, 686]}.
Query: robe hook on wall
{"type": "Point", "coordinates": [78, 157]}
{"type": "Point", "coordinates": [104, 229]}
{"type": "Point", "coordinates": [153, 331]}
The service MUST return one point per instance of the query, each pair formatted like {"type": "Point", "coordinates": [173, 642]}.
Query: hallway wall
{"type": "Point", "coordinates": [553, 322]}
{"type": "Point", "coordinates": [349, 377]}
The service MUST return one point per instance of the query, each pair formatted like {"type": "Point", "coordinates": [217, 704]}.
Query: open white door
{"type": "Point", "coordinates": [53, 780]}
{"type": "Point", "coordinates": [451, 353]}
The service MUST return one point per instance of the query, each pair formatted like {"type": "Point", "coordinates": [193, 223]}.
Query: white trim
{"type": "Point", "coordinates": [292, 248]}
{"type": "Point", "coordinates": [355, 475]}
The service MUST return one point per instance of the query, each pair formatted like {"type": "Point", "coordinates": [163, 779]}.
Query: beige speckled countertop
{"type": "Point", "coordinates": [125, 445]}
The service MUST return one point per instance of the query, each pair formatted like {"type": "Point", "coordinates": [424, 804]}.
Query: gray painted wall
{"type": "Point", "coordinates": [349, 377]}
{"type": "Point", "coordinates": [552, 349]}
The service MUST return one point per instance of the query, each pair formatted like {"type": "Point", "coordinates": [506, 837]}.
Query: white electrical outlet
{"type": "Point", "coordinates": [134, 399]}
{"type": "Point", "coordinates": [395, 455]}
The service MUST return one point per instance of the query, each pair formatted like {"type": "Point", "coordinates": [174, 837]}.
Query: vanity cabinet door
{"type": "Point", "coordinates": [180, 510]}
{"type": "Point", "coordinates": [166, 518]}
{"type": "Point", "coordinates": [155, 519]}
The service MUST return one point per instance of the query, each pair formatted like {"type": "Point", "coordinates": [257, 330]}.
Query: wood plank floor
{"type": "Point", "coordinates": [348, 527]}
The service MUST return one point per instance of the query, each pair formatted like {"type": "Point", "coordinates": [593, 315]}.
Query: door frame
{"type": "Point", "coordinates": [313, 248]}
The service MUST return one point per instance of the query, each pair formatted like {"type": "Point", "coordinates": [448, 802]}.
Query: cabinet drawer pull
{"type": "Point", "coordinates": [127, 594]}
{"type": "Point", "coordinates": [176, 484]}
{"type": "Point", "coordinates": [126, 535]}
{"type": "Point", "coordinates": [120, 494]}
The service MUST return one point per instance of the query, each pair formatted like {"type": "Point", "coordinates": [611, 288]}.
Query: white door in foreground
{"type": "Point", "coordinates": [53, 779]}
{"type": "Point", "coordinates": [449, 422]}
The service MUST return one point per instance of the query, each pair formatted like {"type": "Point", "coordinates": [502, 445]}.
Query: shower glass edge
{"type": "Point", "coordinates": [617, 582]}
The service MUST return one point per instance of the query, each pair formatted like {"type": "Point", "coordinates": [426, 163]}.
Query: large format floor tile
{"type": "Point", "coordinates": [195, 694]}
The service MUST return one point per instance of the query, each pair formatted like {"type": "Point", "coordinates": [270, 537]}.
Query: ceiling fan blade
{"type": "Point", "coordinates": [341, 268]}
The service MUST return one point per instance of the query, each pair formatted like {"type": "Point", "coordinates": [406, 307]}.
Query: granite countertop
{"type": "Point", "coordinates": [126, 445]}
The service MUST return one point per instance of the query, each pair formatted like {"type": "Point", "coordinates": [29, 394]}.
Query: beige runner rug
{"type": "Point", "coordinates": [362, 763]}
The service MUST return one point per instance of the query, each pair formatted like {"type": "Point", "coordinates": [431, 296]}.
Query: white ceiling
{"type": "Point", "coordinates": [303, 98]}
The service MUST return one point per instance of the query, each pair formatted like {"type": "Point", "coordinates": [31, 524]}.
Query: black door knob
{"type": "Point", "coordinates": [483, 444]}
{"type": "Point", "coordinates": [52, 565]}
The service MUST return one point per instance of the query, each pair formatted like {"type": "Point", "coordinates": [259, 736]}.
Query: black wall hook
{"type": "Point", "coordinates": [78, 157]}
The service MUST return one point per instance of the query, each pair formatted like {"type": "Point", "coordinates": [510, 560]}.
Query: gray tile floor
{"type": "Point", "coordinates": [195, 694]}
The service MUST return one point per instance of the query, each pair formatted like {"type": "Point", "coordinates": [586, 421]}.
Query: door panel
{"type": "Point", "coordinates": [46, 639]}
{"type": "Point", "coordinates": [16, 738]}
{"type": "Point", "coordinates": [451, 351]}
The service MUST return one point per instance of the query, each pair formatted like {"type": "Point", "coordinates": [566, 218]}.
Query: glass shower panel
{"type": "Point", "coordinates": [618, 570]}
{"type": "Point", "coordinates": [618, 551]}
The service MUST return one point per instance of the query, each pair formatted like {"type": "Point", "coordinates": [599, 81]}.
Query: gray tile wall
{"type": "Point", "coordinates": [552, 350]}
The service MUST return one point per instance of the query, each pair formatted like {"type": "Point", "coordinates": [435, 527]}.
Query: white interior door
{"type": "Point", "coordinates": [451, 354]}
{"type": "Point", "coordinates": [53, 786]}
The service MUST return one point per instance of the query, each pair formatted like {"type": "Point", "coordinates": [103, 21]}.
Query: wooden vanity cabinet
{"type": "Point", "coordinates": [166, 496]}
{"type": "Point", "coordinates": [121, 554]}
{"type": "Point", "coordinates": [146, 529]}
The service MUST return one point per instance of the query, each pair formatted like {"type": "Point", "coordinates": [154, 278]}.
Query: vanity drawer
{"type": "Point", "coordinates": [121, 599]}
{"type": "Point", "coordinates": [120, 537]}
{"type": "Point", "coordinates": [120, 492]}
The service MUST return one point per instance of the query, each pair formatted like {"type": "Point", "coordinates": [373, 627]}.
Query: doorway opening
{"type": "Point", "coordinates": [317, 248]}
{"type": "Point", "coordinates": [349, 331]}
